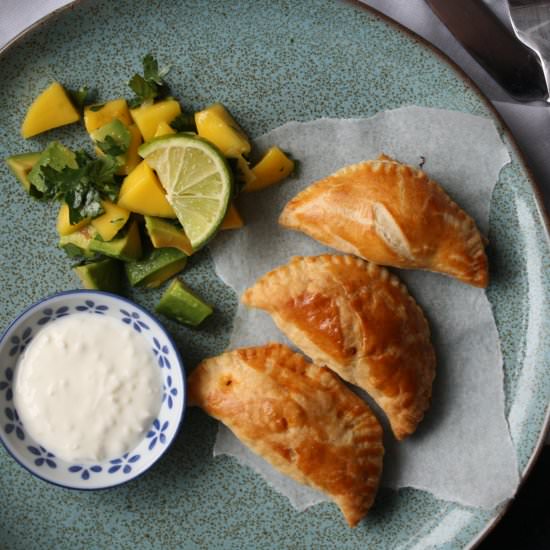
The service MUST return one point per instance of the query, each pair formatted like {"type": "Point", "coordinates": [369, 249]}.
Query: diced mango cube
{"type": "Point", "coordinates": [51, 109]}
{"type": "Point", "coordinates": [272, 168]}
{"type": "Point", "coordinates": [148, 117]}
{"type": "Point", "coordinates": [132, 156]}
{"type": "Point", "coordinates": [164, 129]}
{"type": "Point", "coordinates": [142, 192]}
{"type": "Point", "coordinates": [21, 165]}
{"type": "Point", "coordinates": [64, 226]}
{"type": "Point", "coordinates": [111, 221]}
{"type": "Point", "coordinates": [232, 219]}
{"type": "Point", "coordinates": [216, 124]}
{"type": "Point", "coordinates": [96, 116]}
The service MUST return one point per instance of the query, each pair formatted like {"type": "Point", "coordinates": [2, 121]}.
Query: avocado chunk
{"type": "Point", "coordinates": [55, 156]}
{"type": "Point", "coordinates": [158, 266]}
{"type": "Point", "coordinates": [113, 139]}
{"type": "Point", "coordinates": [126, 246]}
{"type": "Point", "coordinates": [20, 166]}
{"type": "Point", "coordinates": [104, 274]}
{"type": "Point", "coordinates": [164, 234]}
{"type": "Point", "coordinates": [182, 305]}
{"type": "Point", "coordinates": [78, 243]}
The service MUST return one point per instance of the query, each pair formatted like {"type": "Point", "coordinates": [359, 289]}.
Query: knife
{"type": "Point", "coordinates": [512, 64]}
{"type": "Point", "coordinates": [531, 23]}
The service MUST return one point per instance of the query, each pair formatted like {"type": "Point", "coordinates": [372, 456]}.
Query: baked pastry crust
{"type": "Point", "coordinates": [391, 214]}
{"type": "Point", "coordinates": [360, 321]}
{"type": "Point", "coordinates": [297, 416]}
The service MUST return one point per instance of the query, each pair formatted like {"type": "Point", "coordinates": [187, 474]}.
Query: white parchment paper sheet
{"type": "Point", "coordinates": [462, 450]}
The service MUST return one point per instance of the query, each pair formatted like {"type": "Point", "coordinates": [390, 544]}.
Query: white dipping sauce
{"type": "Point", "coordinates": [87, 388]}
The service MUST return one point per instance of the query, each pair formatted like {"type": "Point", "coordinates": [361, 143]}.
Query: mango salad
{"type": "Point", "coordinates": [116, 219]}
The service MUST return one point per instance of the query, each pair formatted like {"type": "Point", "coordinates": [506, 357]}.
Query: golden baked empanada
{"type": "Point", "coordinates": [359, 320]}
{"type": "Point", "coordinates": [297, 416]}
{"type": "Point", "coordinates": [391, 214]}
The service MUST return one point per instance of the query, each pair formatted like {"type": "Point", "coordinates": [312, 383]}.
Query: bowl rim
{"type": "Point", "coordinates": [181, 365]}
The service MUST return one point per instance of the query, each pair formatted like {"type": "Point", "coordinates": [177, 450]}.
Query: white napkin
{"type": "Point", "coordinates": [462, 451]}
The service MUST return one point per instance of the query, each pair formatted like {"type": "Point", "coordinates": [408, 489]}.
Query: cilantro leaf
{"type": "Point", "coordinates": [144, 90]}
{"type": "Point", "coordinates": [83, 187]}
{"type": "Point", "coordinates": [102, 172]}
{"type": "Point", "coordinates": [83, 201]}
{"type": "Point", "coordinates": [184, 122]}
{"type": "Point", "coordinates": [80, 97]}
{"type": "Point", "coordinates": [151, 70]}
{"type": "Point", "coordinates": [110, 146]}
{"type": "Point", "coordinates": [149, 86]}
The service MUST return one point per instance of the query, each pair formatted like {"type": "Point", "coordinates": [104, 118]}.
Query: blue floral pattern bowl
{"type": "Point", "coordinates": [90, 475]}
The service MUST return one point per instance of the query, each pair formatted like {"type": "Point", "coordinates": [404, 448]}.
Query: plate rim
{"type": "Point", "coordinates": [511, 140]}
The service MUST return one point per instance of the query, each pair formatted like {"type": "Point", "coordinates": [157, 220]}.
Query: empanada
{"type": "Point", "coordinates": [359, 320]}
{"type": "Point", "coordinates": [391, 214]}
{"type": "Point", "coordinates": [297, 416]}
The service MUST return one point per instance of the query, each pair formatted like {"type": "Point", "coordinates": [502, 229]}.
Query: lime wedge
{"type": "Point", "coordinates": [197, 180]}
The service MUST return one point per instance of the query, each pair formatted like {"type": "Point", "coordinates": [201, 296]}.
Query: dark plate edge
{"type": "Point", "coordinates": [464, 77]}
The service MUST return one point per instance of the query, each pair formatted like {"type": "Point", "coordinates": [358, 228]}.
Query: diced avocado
{"type": "Point", "coordinates": [78, 243]}
{"type": "Point", "coordinates": [126, 247]}
{"type": "Point", "coordinates": [157, 267]}
{"type": "Point", "coordinates": [56, 156]}
{"type": "Point", "coordinates": [182, 305]}
{"type": "Point", "coordinates": [105, 274]}
{"type": "Point", "coordinates": [164, 234]}
{"type": "Point", "coordinates": [21, 165]}
{"type": "Point", "coordinates": [113, 139]}
{"type": "Point", "coordinates": [51, 109]}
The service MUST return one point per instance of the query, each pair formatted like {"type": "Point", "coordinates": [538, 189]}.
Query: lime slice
{"type": "Point", "coordinates": [197, 180]}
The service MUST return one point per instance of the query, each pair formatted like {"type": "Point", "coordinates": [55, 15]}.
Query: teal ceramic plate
{"type": "Point", "coordinates": [269, 61]}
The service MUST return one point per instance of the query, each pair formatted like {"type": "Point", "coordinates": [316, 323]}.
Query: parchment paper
{"type": "Point", "coordinates": [462, 450]}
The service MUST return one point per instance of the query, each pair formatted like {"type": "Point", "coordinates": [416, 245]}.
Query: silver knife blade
{"type": "Point", "coordinates": [512, 64]}
{"type": "Point", "coordinates": [531, 23]}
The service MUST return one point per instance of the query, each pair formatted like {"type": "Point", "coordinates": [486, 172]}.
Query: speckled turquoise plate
{"type": "Point", "coordinates": [270, 61]}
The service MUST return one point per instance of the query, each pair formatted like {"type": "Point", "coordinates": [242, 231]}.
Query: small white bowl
{"type": "Point", "coordinates": [102, 474]}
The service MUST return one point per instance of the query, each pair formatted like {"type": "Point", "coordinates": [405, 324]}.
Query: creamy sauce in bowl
{"type": "Point", "coordinates": [87, 388]}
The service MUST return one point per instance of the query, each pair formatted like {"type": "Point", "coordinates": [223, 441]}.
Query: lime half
{"type": "Point", "coordinates": [197, 180]}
